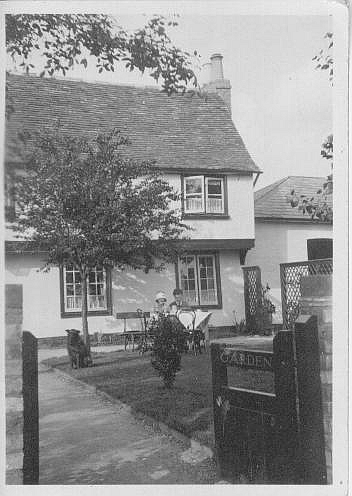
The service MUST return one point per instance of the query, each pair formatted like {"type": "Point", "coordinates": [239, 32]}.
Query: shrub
{"type": "Point", "coordinates": [167, 348]}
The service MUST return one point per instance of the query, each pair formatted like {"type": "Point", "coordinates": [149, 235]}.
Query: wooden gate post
{"type": "Point", "coordinates": [286, 404]}
{"type": "Point", "coordinates": [311, 416]}
{"type": "Point", "coordinates": [219, 378]}
{"type": "Point", "coordinates": [30, 409]}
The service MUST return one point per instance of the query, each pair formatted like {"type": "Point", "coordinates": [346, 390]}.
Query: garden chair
{"type": "Point", "coordinates": [133, 337]}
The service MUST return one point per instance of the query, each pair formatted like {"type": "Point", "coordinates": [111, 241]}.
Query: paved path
{"type": "Point", "coordinates": [86, 439]}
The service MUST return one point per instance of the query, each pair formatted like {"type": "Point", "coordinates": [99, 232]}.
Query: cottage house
{"type": "Point", "coordinates": [198, 149]}
{"type": "Point", "coordinates": [285, 234]}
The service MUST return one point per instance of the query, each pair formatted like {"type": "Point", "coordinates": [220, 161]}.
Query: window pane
{"type": "Point", "coordinates": [69, 290]}
{"type": "Point", "coordinates": [78, 302]}
{"type": "Point", "coordinates": [190, 297]}
{"type": "Point", "coordinates": [214, 186]}
{"type": "Point", "coordinates": [100, 289]}
{"type": "Point", "coordinates": [208, 292]}
{"type": "Point", "coordinates": [215, 206]}
{"type": "Point", "coordinates": [208, 297]}
{"type": "Point", "coordinates": [70, 302]}
{"type": "Point", "coordinates": [194, 204]}
{"type": "Point", "coordinates": [188, 279]}
{"type": "Point", "coordinates": [92, 289]}
{"type": "Point", "coordinates": [96, 289]}
{"type": "Point", "coordinates": [194, 194]}
{"type": "Point", "coordinates": [214, 196]}
{"type": "Point", "coordinates": [78, 289]}
{"type": "Point", "coordinates": [194, 185]}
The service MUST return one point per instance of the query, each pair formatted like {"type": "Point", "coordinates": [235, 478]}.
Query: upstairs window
{"type": "Point", "coordinates": [204, 195]}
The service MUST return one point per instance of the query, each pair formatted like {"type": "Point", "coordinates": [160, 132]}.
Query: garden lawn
{"type": "Point", "coordinates": [187, 407]}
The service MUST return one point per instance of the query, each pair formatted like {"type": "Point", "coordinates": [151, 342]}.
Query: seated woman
{"type": "Point", "coordinates": [160, 307]}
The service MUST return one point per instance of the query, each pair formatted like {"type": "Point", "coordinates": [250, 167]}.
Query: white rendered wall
{"type": "Point", "coordinates": [239, 225]}
{"type": "Point", "coordinates": [277, 243]}
{"type": "Point", "coordinates": [130, 290]}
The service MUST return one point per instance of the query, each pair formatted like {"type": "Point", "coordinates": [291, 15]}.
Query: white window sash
{"type": "Point", "coordinates": [92, 300]}
{"type": "Point", "coordinates": [188, 292]}
{"type": "Point", "coordinates": [210, 197]}
{"type": "Point", "coordinates": [200, 295]}
{"type": "Point", "coordinates": [197, 196]}
{"type": "Point", "coordinates": [200, 291]}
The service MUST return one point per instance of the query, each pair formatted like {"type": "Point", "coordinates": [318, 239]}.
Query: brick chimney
{"type": "Point", "coordinates": [215, 79]}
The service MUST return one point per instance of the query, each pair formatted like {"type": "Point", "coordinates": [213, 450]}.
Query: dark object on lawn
{"type": "Point", "coordinates": [167, 348]}
{"type": "Point", "coordinates": [197, 338]}
{"type": "Point", "coordinates": [77, 350]}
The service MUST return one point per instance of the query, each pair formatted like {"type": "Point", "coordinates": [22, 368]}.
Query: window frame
{"type": "Point", "coordinates": [205, 179]}
{"type": "Point", "coordinates": [67, 314]}
{"type": "Point", "coordinates": [196, 254]}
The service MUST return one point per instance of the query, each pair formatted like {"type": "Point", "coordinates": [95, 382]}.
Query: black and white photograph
{"type": "Point", "coordinates": [175, 282]}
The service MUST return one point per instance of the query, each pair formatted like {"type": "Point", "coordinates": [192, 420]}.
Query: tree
{"type": "Point", "coordinates": [87, 205]}
{"type": "Point", "coordinates": [319, 207]}
{"type": "Point", "coordinates": [65, 40]}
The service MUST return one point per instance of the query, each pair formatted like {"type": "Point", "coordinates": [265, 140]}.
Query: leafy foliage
{"type": "Point", "coordinates": [86, 204]}
{"type": "Point", "coordinates": [68, 39]}
{"type": "Point", "coordinates": [168, 345]}
{"type": "Point", "coordinates": [268, 305]}
{"type": "Point", "coordinates": [324, 58]}
{"type": "Point", "coordinates": [89, 205]}
{"type": "Point", "coordinates": [319, 206]}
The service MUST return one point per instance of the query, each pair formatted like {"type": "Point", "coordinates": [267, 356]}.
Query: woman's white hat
{"type": "Point", "coordinates": [160, 296]}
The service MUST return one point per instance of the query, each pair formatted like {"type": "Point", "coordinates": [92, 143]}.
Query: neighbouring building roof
{"type": "Point", "coordinates": [179, 132]}
{"type": "Point", "coordinates": [270, 202]}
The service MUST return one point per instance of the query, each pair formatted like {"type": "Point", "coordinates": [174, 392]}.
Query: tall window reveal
{"type": "Point", "coordinates": [203, 194]}
{"type": "Point", "coordinates": [97, 294]}
{"type": "Point", "coordinates": [198, 279]}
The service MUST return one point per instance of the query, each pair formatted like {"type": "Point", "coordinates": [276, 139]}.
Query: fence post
{"type": "Point", "coordinates": [283, 296]}
{"type": "Point", "coordinates": [252, 295]}
{"type": "Point", "coordinates": [219, 379]}
{"type": "Point", "coordinates": [312, 444]}
{"type": "Point", "coordinates": [286, 401]}
{"type": "Point", "coordinates": [30, 409]}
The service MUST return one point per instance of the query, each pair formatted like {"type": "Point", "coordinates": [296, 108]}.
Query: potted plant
{"type": "Point", "coordinates": [266, 311]}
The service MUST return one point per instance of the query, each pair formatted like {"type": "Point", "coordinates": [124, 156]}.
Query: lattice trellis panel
{"type": "Point", "coordinates": [291, 274]}
{"type": "Point", "coordinates": [252, 295]}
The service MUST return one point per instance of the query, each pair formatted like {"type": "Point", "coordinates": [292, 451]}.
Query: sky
{"type": "Point", "coordinates": [281, 105]}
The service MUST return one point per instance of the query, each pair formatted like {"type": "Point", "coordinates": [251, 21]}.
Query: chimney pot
{"type": "Point", "coordinates": [216, 82]}
{"type": "Point", "coordinates": [216, 71]}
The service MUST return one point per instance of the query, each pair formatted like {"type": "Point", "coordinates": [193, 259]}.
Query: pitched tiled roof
{"type": "Point", "coordinates": [180, 131]}
{"type": "Point", "coordinates": [271, 202]}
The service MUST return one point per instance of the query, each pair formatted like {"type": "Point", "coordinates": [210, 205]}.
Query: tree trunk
{"type": "Point", "coordinates": [85, 311]}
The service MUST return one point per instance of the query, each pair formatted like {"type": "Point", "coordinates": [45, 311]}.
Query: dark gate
{"type": "Point", "coordinates": [30, 409]}
{"type": "Point", "coordinates": [290, 275]}
{"type": "Point", "coordinates": [253, 298]}
{"type": "Point", "coordinates": [256, 433]}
